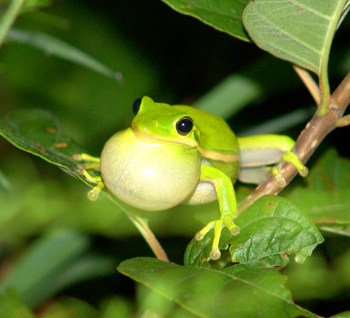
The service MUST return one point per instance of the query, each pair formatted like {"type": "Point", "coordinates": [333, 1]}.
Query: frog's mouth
{"type": "Point", "coordinates": [208, 154]}
{"type": "Point", "coordinates": [183, 140]}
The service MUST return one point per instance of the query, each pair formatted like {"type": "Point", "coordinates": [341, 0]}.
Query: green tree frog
{"type": "Point", "coordinates": [176, 154]}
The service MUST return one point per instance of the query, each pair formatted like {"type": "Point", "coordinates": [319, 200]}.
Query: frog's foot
{"type": "Point", "coordinates": [90, 161]}
{"type": "Point", "coordinates": [94, 193]}
{"type": "Point", "coordinates": [294, 160]}
{"type": "Point", "coordinates": [226, 221]}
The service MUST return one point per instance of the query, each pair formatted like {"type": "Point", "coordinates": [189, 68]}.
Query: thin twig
{"type": "Point", "coordinates": [150, 238]}
{"type": "Point", "coordinates": [315, 131]}
{"type": "Point", "coordinates": [344, 121]}
{"type": "Point", "coordinates": [142, 225]}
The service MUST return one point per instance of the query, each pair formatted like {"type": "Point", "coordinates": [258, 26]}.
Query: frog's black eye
{"type": "Point", "coordinates": [136, 105]}
{"type": "Point", "coordinates": [184, 126]}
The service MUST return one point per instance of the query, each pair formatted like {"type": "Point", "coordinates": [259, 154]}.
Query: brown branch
{"type": "Point", "coordinates": [313, 134]}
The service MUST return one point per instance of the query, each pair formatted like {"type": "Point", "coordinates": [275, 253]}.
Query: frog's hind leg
{"type": "Point", "coordinates": [292, 158]}
{"type": "Point", "coordinates": [260, 151]}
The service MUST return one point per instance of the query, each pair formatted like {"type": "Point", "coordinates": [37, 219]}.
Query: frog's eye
{"type": "Point", "coordinates": [136, 105]}
{"type": "Point", "coordinates": [184, 126]}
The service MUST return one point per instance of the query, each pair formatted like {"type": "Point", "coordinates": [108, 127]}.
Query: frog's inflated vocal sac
{"type": "Point", "coordinates": [175, 154]}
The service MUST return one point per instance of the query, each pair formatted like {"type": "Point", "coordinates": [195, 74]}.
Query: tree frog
{"type": "Point", "coordinates": [176, 154]}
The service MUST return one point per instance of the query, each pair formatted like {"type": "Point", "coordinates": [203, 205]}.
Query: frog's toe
{"type": "Point", "coordinates": [77, 157]}
{"type": "Point", "coordinates": [281, 182]}
{"type": "Point", "coordinates": [227, 221]}
{"type": "Point", "coordinates": [231, 226]}
{"type": "Point", "coordinates": [235, 230]}
{"type": "Point", "coordinates": [292, 158]}
{"type": "Point", "coordinates": [93, 194]}
{"type": "Point", "coordinates": [215, 254]}
{"type": "Point", "coordinates": [304, 172]}
{"type": "Point", "coordinates": [199, 235]}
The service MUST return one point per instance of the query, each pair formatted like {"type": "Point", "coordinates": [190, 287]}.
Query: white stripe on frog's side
{"type": "Point", "coordinates": [209, 154]}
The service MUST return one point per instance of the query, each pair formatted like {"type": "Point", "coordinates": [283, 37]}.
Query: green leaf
{"type": "Point", "coordinates": [53, 46]}
{"type": "Point", "coordinates": [237, 291]}
{"type": "Point", "coordinates": [116, 307]}
{"type": "Point", "coordinates": [69, 307]}
{"type": "Point", "coordinates": [4, 183]}
{"type": "Point", "coordinates": [280, 124]}
{"type": "Point", "coordinates": [151, 303]}
{"type": "Point", "coordinates": [345, 314]}
{"type": "Point", "coordinates": [37, 132]}
{"type": "Point", "coordinates": [8, 18]}
{"type": "Point", "coordinates": [77, 270]}
{"type": "Point", "coordinates": [11, 306]}
{"type": "Point", "coordinates": [223, 15]}
{"type": "Point", "coordinates": [52, 254]}
{"type": "Point", "coordinates": [62, 259]}
{"type": "Point", "coordinates": [324, 196]}
{"type": "Point", "coordinates": [232, 94]}
{"type": "Point", "coordinates": [300, 32]}
{"type": "Point", "coordinates": [37, 3]}
{"type": "Point", "coordinates": [271, 228]}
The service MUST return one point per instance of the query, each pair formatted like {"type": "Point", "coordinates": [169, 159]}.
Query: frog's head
{"type": "Point", "coordinates": [162, 122]}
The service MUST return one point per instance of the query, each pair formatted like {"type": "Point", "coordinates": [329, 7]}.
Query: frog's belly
{"type": "Point", "coordinates": [147, 175]}
{"type": "Point", "coordinates": [204, 193]}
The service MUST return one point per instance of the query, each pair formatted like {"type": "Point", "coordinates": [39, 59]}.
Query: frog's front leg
{"type": "Point", "coordinates": [227, 204]}
{"type": "Point", "coordinates": [90, 163]}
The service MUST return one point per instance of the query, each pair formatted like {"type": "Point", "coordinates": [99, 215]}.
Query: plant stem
{"type": "Point", "coordinates": [9, 18]}
{"type": "Point", "coordinates": [142, 225]}
{"type": "Point", "coordinates": [315, 131]}
{"type": "Point", "coordinates": [309, 83]}
{"type": "Point", "coordinates": [323, 74]}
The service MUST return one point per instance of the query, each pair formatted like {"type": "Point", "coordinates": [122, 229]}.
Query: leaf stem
{"type": "Point", "coordinates": [309, 83]}
{"type": "Point", "coordinates": [324, 82]}
{"type": "Point", "coordinates": [9, 18]}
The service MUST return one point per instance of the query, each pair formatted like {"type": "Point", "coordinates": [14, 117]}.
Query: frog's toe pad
{"type": "Point", "coordinates": [77, 157]}
{"type": "Point", "coordinates": [235, 230]}
{"type": "Point", "coordinates": [199, 236]}
{"type": "Point", "coordinates": [215, 254]}
{"type": "Point", "coordinates": [281, 182]}
{"type": "Point", "coordinates": [304, 172]}
{"type": "Point", "coordinates": [93, 194]}
{"type": "Point", "coordinates": [82, 166]}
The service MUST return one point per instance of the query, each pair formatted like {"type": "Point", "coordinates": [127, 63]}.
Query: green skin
{"type": "Point", "coordinates": [154, 166]}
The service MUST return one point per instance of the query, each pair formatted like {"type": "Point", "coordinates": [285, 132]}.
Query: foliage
{"type": "Point", "coordinates": [98, 59]}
